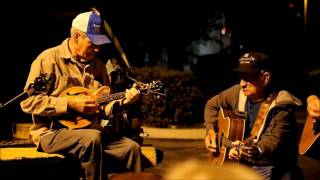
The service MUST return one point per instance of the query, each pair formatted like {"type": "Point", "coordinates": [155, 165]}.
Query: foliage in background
{"type": "Point", "coordinates": [183, 104]}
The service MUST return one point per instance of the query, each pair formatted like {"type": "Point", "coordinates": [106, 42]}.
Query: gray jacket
{"type": "Point", "coordinates": [277, 138]}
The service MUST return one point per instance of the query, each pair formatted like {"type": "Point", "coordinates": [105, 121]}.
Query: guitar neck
{"type": "Point", "coordinates": [148, 89]}
{"type": "Point", "coordinates": [110, 97]}
{"type": "Point", "coordinates": [225, 141]}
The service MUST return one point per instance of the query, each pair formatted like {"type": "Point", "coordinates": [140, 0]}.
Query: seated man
{"type": "Point", "coordinates": [269, 134]}
{"type": "Point", "coordinates": [73, 63]}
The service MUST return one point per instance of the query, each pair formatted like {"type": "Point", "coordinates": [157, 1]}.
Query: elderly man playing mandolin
{"type": "Point", "coordinates": [78, 80]}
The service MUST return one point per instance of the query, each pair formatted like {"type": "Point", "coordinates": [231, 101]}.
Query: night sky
{"type": "Point", "coordinates": [30, 26]}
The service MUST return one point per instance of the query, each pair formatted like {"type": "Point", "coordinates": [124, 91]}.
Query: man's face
{"type": "Point", "coordinates": [252, 84]}
{"type": "Point", "coordinates": [86, 50]}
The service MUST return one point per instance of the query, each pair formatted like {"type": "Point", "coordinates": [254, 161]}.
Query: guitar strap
{"type": "Point", "coordinates": [114, 40]}
{"type": "Point", "coordinates": [260, 119]}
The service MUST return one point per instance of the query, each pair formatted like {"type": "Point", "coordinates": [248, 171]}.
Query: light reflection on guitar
{"type": "Point", "coordinates": [230, 128]}
{"type": "Point", "coordinates": [310, 134]}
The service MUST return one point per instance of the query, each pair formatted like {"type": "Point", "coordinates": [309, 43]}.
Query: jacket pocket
{"type": "Point", "coordinates": [64, 82]}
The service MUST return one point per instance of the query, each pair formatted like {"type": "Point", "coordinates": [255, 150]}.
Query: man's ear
{"type": "Point", "coordinates": [75, 36]}
{"type": "Point", "coordinates": [266, 77]}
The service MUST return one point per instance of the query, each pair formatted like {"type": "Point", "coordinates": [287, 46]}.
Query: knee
{"type": "Point", "coordinates": [93, 136]}
{"type": "Point", "coordinates": [135, 146]}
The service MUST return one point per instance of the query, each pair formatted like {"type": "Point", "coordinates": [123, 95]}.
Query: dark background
{"type": "Point", "coordinates": [275, 27]}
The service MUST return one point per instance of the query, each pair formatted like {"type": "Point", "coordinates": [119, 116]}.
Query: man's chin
{"type": "Point", "coordinates": [247, 93]}
{"type": "Point", "coordinates": [85, 61]}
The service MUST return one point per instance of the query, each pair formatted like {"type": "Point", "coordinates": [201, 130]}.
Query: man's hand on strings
{"type": "Point", "coordinates": [234, 153]}
{"type": "Point", "coordinates": [241, 151]}
{"type": "Point", "coordinates": [249, 152]}
{"type": "Point", "coordinates": [83, 104]}
{"type": "Point", "coordinates": [132, 94]}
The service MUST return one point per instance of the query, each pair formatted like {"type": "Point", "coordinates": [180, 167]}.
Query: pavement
{"type": "Point", "coordinates": [174, 133]}
{"type": "Point", "coordinates": [177, 145]}
{"type": "Point", "coordinates": [180, 150]}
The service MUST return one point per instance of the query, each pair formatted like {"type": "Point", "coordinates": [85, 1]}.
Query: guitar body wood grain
{"type": "Point", "coordinates": [309, 134]}
{"type": "Point", "coordinates": [230, 128]}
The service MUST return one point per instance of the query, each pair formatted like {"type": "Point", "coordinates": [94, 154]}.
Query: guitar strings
{"type": "Point", "coordinates": [225, 140]}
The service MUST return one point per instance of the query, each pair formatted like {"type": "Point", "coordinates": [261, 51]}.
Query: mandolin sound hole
{"type": "Point", "coordinates": [76, 94]}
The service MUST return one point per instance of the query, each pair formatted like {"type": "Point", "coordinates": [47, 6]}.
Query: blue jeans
{"type": "Point", "coordinates": [264, 171]}
{"type": "Point", "coordinates": [272, 173]}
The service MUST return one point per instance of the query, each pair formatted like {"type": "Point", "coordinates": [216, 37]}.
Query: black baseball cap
{"type": "Point", "coordinates": [253, 62]}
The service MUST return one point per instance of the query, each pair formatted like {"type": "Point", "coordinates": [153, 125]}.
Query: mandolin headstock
{"type": "Point", "coordinates": [154, 88]}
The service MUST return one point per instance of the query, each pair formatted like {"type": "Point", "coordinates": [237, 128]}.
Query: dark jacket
{"type": "Point", "coordinates": [278, 138]}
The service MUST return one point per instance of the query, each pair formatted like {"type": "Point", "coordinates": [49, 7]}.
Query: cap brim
{"type": "Point", "coordinates": [246, 70]}
{"type": "Point", "coordinates": [98, 39]}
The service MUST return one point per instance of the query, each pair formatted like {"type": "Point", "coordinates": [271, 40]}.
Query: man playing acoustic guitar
{"type": "Point", "coordinates": [264, 122]}
{"type": "Point", "coordinates": [76, 75]}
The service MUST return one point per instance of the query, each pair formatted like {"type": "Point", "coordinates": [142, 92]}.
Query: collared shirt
{"type": "Point", "coordinates": [65, 72]}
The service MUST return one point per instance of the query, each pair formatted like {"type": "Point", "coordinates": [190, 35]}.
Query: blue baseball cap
{"type": "Point", "coordinates": [91, 24]}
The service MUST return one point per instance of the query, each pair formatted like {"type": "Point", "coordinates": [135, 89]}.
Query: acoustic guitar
{"type": "Point", "coordinates": [230, 128]}
{"type": "Point", "coordinates": [75, 120]}
{"type": "Point", "coordinates": [310, 134]}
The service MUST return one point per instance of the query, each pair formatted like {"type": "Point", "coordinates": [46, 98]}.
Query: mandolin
{"type": "Point", "coordinates": [102, 96]}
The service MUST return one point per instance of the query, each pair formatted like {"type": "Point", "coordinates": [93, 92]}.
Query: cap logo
{"type": "Point", "coordinates": [246, 59]}
{"type": "Point", "coordinates": [96, 28]}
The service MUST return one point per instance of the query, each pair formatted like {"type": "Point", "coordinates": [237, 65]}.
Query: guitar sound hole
{"type": "Point", "coordinates": [220, 141]}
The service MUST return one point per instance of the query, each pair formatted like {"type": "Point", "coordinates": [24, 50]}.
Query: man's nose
{"type": "Point", "coordinates": [96, 48]}
{"type": "Point", "coordinates": [243, 83]}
